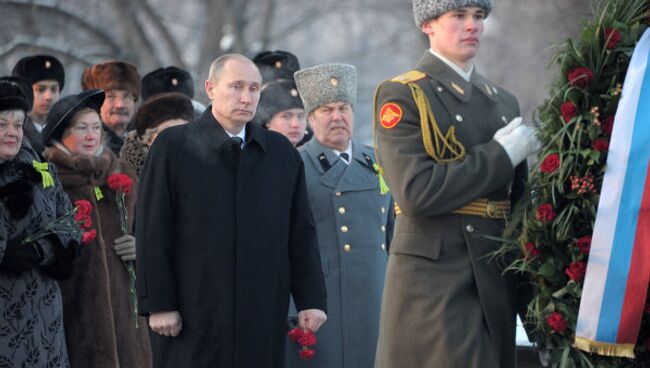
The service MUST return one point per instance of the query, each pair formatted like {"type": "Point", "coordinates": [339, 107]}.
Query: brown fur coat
{"type": "Point", "coordinates": [98, 315]}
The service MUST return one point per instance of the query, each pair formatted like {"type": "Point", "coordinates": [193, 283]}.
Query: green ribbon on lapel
{"type": "Point", "coordinates": [383, 187]}
{"type": "Point", "coordinates": [43, 169]}
{"type": "Point", "coordinates": [98, 194]}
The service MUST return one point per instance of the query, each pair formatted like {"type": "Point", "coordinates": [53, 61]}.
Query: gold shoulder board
{"type": "Point", "coordinates": [409, 77]}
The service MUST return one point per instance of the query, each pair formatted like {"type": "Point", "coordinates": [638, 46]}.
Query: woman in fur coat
{"type": "Point", "coordinates": [99, 316]}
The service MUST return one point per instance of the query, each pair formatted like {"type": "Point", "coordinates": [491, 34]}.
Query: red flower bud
{"type": "Point", "coordinates": [550, 164]}
{"type": "Point", "coordinates": [545, 212]}
{"type": "Point", "coordinates": [612, 38]}
{"type": "Point", "coordinates": [568, 110]}
{"type": "Point", "coordinates": [556, 322]}
{"type": "Point", "coordinates": [576, 270]}
{"type": "Point", "coordinates": [532, 250]}
{"type": "Point", "coordinates": [584, 244]}
{"type": "Point", "coordinates": [296, 334]}
{"type": "Point", "coordinates": [600, 145]}
{"type": "Point", "coordinates": [307, 339]}
{"type": "Point", "coordinates": [307, 354]}
{"type": "Point", "coordinates": [580, 77]}
{"type": "Point", "coordinates": [89, 236]}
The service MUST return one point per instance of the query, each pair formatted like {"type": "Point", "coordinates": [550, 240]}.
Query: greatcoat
{"type": "Point", "coordinates": [445, 303]}
{"type": "Point", "coordinates": [224, 236]}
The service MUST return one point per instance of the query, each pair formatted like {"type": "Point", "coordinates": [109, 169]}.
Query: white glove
{"type": "Point", "coordinates": [519, 143]}
{"type": "Point", "coordinates": [125, 247]}
{"type": "Point", "coordinates": [508, 128]}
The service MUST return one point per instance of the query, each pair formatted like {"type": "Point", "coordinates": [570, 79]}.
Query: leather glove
{"type": "Point", "coordinates": [518, 143]}
{"type": "Point", "coordinates": [19, 257]}
{"type": "Point", "coordinates": [125, 247]}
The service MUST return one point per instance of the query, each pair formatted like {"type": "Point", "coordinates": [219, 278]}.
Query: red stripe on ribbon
{"type": "Point", "coordinates": [639, 276]}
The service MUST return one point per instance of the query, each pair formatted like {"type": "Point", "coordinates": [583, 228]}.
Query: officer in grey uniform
{"type": "Point", "coordinates": [453, 148]}
{"type": "Point", "coordinates": [354, 219]}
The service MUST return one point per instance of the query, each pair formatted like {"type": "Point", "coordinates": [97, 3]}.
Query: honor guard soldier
{"type": "Point", "coordinates": [353, 215]}
{"type": "Point", "coordinates": [453, 150]}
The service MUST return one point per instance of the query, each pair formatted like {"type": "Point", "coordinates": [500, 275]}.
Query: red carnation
{"type": "Point", "coordinates": [557, 322]}
{"type": "Point", "coordinates": [612, 38]}
{"type": "Point", "coordinates": [296, 334]}
{"type": "Point", "coordinates": [580, 77]}
{"type": "Point", "coordinates": [568, 110]}
{"type": "Point", "coordinates": [550, 164]}
{"type": "Point", "coordinates": [600, 145]}
{"type": "Point", "coordinates": [608, 125]}
{"type": "Point", "coordinates": [545, 212]}
{"type": "Point", "coordinates": [576, 270]}
{"type": "Point", "coordinates": [120, 182]}
{"type": "Point", "coordinates": [584, 244]}
{"type": "Point", "coordinates": [89, 236]}
{"type": "Point", "coordinates": [532, 250]}
{"type": "Point", "coordinates": [307, 354]}
{"type": "Point", "coordinates": [83, 209]}
{"type": "Point", "coordinates": [308, 339]}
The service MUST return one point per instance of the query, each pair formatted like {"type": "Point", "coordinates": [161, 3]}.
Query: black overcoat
{"type": "Point", "coordinates": [224, 236]}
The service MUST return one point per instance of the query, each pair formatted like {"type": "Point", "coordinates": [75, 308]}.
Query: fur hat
{"type": "Point", "coordinates": [277, 96]}
{"type": "Point", "coordinates": [274, 65]}
{"type": "Point", "coordinates": [12, 96]}
{"type": "Point", "coordinates": [111, 75]}
{"type": "Point", "coordinates": [169, 79]}
{"type": "Point", "coordinates": [40, 67]}
{"type": "Point", "coordinates": [62, 112]}
{"type": "Point", "coordinates": [424, 10]}
{"type": "Point", "coordinates": [160, 108]}
{"type": "Point", "coordinates": [25, 86]}
{"type": "Point", "coordinates": [326, 83]}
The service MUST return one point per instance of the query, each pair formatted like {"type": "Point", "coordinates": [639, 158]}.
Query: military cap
{"type": "Point", "coordinates": [12, 96]}
{"type": "Point", "coordinates": [327, 83]}
{"type": "Point", "coordinates": [277, 96]}
{"type": "Point", "coordinates": [424, 10]}
{"type": "Point", "coordinates": [113, 74]}
{"type": "Point", "coordinates": [25, 86]}
{"type": "Point", "coordinates": [160, 108]}
{"type": "Point", "coordinates": [37, 68]}
{"type": "Point", "coordinates": [274, 65]}
{"type": "Point", "coordinates": [62, 112]}
{"type": "Point", "coordinates": [169, 79]}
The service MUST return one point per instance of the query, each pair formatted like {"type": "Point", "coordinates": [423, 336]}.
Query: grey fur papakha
{"type": "Point", "coordinates": [326, 83]}
{"type": "Point", "coordinates": [424, 10]}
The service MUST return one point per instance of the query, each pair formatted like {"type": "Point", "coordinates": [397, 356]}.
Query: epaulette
{"type": "Point", "coordinates": [409, 77]}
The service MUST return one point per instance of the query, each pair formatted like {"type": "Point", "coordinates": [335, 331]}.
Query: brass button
{"type": "Point", "coordinates": [383, 228]}
{"type": "Point", "coordinates": [341, 210]}
{"type": "Point", "coordinates": [344, 229]}
{"type": "Point", "coordinates": [347, 247]}
{"type": "Point", "coordinates": [383, 246]}
{"type": "Point", "coordinates": [338, 194]}
{"type": "Point", "coordinates": [459, 118]}
{"type": "Point", "coordinates": [383, 210]}
{"type": "Point", "coordinates": [439, 89]}
{"type": "Point", "coordinates": [469, 228]}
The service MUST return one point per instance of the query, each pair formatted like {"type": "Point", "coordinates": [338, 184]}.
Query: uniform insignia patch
{"type": "Point", "coordinates": [390, 115]}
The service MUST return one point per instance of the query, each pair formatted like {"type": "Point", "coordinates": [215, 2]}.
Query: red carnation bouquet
{"type": "Point", "coordinates": [76, 222]}
{"type": "Point", "coordinates": [121, 184]}
{"type": "Point", "coordinates": [305, 339]}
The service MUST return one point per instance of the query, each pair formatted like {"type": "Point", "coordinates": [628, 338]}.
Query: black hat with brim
{"type": "Point", "coordinates": [12, 96]}
{"type": "Point", "coordinates": [62, 112]}
{"type": "Point", "coordinates": [25, 86]}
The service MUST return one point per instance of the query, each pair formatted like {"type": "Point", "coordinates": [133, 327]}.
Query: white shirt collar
{"type": "Point", "coordinates": [241, 134]}
{"type": "Point", "coordinates": [466, 75]}
{"type": "Point", "coordinates": [348, 151]}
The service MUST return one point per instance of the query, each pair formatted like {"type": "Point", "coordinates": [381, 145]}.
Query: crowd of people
{"type": "Point", "coordinates": [140, 228]}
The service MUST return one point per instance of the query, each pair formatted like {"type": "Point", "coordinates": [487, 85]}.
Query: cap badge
{"type": "Point", "coordinates": [294, 93]}
{"type": "Point", "coordinates": [334, 82]}
{"type": "Point", "coordinates": [48, 64]}
{"type": "Point", "coordinates": [278, 64]}
{"type": "Point", "coordinates": [174, 82]}
{"type": "Point", "coordinates": [390, 115]}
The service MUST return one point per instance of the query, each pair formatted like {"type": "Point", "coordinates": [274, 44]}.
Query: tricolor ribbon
{"type": "Point", "coordinates": [618, 271]}
{"type": "Point", "coordinates": [43, 169]}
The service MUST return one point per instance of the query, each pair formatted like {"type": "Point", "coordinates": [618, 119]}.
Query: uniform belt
{"type": "Point", "coordinates": [480, 207]}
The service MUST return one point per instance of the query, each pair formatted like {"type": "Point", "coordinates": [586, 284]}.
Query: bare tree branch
{"type": "Point", "coordinates": [161, 29]}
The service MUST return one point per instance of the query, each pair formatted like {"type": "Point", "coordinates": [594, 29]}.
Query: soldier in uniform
{"type": "Point", "coordinates": [453, 150]}
{"type": "Point", "coordinates": [46, 76]}
{"type": "Point", "coordinates": [121, 83]}
{"type": "Point", "coordinates": [353, 215]}
{"type": "Point", "coordinates": [280, 110]}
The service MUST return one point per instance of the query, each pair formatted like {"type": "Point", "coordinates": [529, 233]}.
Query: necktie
{"type": "Point", "coordinates": [345, 157]}
{"type": "Point", "coordinates": [237, 141]}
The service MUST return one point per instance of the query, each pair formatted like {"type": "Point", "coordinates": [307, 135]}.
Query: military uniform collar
{"type": "Point", "coordinates": [450, 80]}
{"type": "Point", "coordinates": [216, 135]}
{"type": "Point", "coordinates": [323, 157]}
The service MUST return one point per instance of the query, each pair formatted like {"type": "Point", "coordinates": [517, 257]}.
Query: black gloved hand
{"type": "Point", "coordinates": [19, 257]}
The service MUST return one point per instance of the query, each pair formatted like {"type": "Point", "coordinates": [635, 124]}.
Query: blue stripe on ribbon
{"type": "Point", "coordinates": [623, 242]}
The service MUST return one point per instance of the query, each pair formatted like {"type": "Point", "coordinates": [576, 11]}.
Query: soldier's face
{"type": "Point", "coordinates": [235, 92]}
{"type": "Point", "coordinates": [46, 93]}
{"type": "Point", "coordinates": [291, 123]}
{"type": "Point", "coordinates": [456, 34]}
{"type": "Point", "coordinates": [118, 109]}
{"type": "Point", "coordinates": [333, 124]}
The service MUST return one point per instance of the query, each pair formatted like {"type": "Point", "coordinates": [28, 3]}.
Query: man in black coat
{"type": "Point", "coordinates": [225, 234]}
